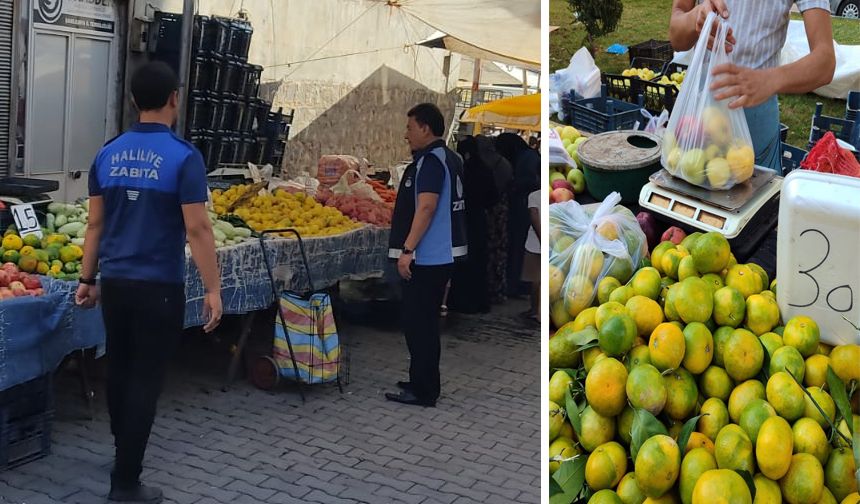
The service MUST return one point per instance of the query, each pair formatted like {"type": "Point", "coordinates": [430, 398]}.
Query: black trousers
{"type": "Point", "coordinates": [422, 298]}
{"type": "Point", "coordinates": [143, 322]}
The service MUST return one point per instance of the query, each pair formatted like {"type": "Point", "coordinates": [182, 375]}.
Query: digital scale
{"type": "Point", "coordinates": [744, 214]}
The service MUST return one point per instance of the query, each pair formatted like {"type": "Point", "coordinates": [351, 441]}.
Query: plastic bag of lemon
{"type": "Point", "coordinates": [283, 209]}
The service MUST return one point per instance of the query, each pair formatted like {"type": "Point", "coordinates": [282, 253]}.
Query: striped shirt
{"type": "Point", "coordinates": [760, 28]}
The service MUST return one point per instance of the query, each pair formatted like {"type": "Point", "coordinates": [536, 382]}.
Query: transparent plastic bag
{"type": "Point", "coordinates": [707, 144]}
{"type": "Point", "coordinates": [360, 188]}
{"type": "Point", "coordinates": [585, 248]}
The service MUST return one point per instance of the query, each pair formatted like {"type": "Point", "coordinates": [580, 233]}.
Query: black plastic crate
{"type": "Point", "coordinates": [843, 129]}
{"type": "Point", "coordinates": [656, 49]}
{"type": "Point", "coordinates": [791, 157]}
{"type": "Point", "coordinates": [596, 115]}
{"type": "Point", "coordinates": [240, 39]}
{"type": "Point", "coordinates": [28, 398]}
{"type": "Point", "coordinates": [656, 96]}
{"type": "Point", "coordinates": [222, 28]}
{"type": "Point", "coordinates": [24, 439]}
{"type": "Point", "coordinates": [672, 67]}
{"type": "Point", "coordinates": [252, 80]}
{"type": "Point", "coordinates": [852, 106]}
{"type": "Point", "coordinates": [623, 87]}
{"type": "Point", "coordinates": [168, 33]}
{"type": "Point", "coordinates": [232, 77]}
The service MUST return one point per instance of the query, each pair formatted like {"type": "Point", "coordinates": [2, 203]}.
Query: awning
{"type": "Point", "coordinates": [507, 31]}
{"type": "Point", "coordinates": [517, 112]}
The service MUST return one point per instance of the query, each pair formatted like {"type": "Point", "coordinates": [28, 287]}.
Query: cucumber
{"type": "Point", "coordinates": [71, 228]}
{"type": "Point", "coordinates": [60, 220]}
{"type": "Point", "coordinates": [50, 221]}
{"type": "Point", "coordinates": [226, 228]}
{"type": "Point", "coordinates": [243, 232]}
{"type": "Point", "coordinates": [219, 235]}
{"type": "Point", "coordinates": [82, 233]}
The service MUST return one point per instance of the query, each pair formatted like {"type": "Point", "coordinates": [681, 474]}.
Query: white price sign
{"type": "Point", "coordinates": [26, 220]}
{"type": "Point", "coordinates": [817, 267]}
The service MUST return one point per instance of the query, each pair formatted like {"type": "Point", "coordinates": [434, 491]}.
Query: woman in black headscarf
{"type": "Point", "coordinates": [526, 169]}
{"type": "Point", "coordinates": [497, 218]}
{"type": "Point", "coordinates": [469, 288]}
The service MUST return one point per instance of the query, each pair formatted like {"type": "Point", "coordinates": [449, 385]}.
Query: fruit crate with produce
{"type": "Point", "coordinates": [596, 115]}
{"type": "Point", "coordinates": [623, 86]}
{"type": "Point", "coordinates": [685, 384]}
{"type": "Point", "coordinates": [565, 177]}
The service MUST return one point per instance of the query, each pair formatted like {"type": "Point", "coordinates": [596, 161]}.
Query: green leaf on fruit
{"type": "Point", "coordinates": [748, 479]}
{"type": "Point", "coordinates": [572, 413]}
{"type": "Point", "coordinates": [840, 397]}
{"type": "Point", "coordinates": [570, 477]}
{"type": "Point", "coordinates": [686, 431]}
{"type": "Point", "coordinates": [584, 336]}
{"type": "Point", "coordinates": [645, 425]}
{"type": "Point", "coordinates": [575, 374]}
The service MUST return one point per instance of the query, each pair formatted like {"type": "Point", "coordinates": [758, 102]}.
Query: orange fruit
{"type": "Point", "coordinates": [695, 463]}
{"type": "Point", "coordinates": [646, 282]}
{"type": "Point", "coordinates": [714, 281]}
{"type": "Point", "coordinates": [556, 282]}
{"type": "Point", "coordinates": [671, 261]}
{"type": "Point", "coordinates": [578, 295]}
{"type": "Point", "coordinates": [558, 313]}
{"type": "Point", "coordinates": [823, 400]}
{"type": "Point", "coordinates": [636, 356]}
{"type": "Point", "coordinates": [604, 387]}
{"type": "Point", "coordinates": [729, 307]}
{"type": "Point", "coordinates": [657, 255]}
{"type": "Point", "coordinates": [845, 360]}
{"type": "Point", "coordinates": [742, 395]}
{"type": "Point", "coordinates": [715, 382]}
{"type": "Point", "coordinates": [556, 419]}
{"type": "Point", "coordinates": [694, 301]}
{"type": "Point", "coordinates": [617, 334]}
{"type": "Point", "coordinates": [624, 424]}
{"type": "Point", "coordinates": [596, 429]}
{"type": "Point", "coordinates": [605, 496]}
{"type": "Point", "coordinates": [605, 287]}
{"type": "Point", "coordinates": [802, 333]}
{"type": "Point", "coordinates": [585, 319]}
{"type": "Point", "coordinates": [591, 356]}
{"type": "Point", "coordinates": [723, 486]}
{"type": "Point", "coordinates": [687, 268]}
{"type": "Point", "coordinates": [587, 260]}
{"type": "Point", "coordinates": [564, 447]}
{"type": "Point", "coordinates": [733, 449]}
{"type": "Point", "coordinates": [657, 465]}
{"type": "Point", "coordinates": [744, 279]}
{"type": "Point", "coordinates": [785, 395]}
{"type": "Point", "coordinates": [711, 252]}
{"type": "Point", "coordinates": [605, 466]}
{"type": "Point", "coordinates": [771, 342]}
{"type": "Point", "coordinates": [682, 394]}
{"type": "Point", "coordinates": [628, 489]}
{"type": "Point", "coordinates": [766, 490]}
{"type": "Point", "coordinates": [721, 336]}
{"type": "Point", "coordinates": [669, 303]}
{"type": "Point", "coordinates": [815, 374]}
{"type": "Point", "coordinates": [622, 294]}
{"type": "Point", "coordinates": [646, 389]}
{"type": "Point", "coordinates": [699, 440]}
{"type": "Point", "coordinates": [699, 345]}
{"type": "Point", "coordinates": [715, 417]}
{"type": "Point", "coordinates": [754, 415]}
{"type": "Point", "coordinates": [787, 359]}
{"type": "Point", "coordinates": [666, 347]}
{"type": "Point", "coordinates": [809, 437]}
{"type": "Point", "coordinates": [646, 313]}
{"type": "Point", "coordinates": [743, 355]}
{"type": "Point", "coordinates": [765, 281]}
{"type": "Point", "coordinates": [804, 481]}
{"type": "Point", "coordinates": [839, 473]}
{"type": "Point", "coordinates": [607, 310]}
{"type": "Point", "coordinates": [762, 314]}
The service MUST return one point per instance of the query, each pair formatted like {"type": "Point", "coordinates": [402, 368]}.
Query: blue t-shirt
{"type": "Point", "coordinates": [145, 176]}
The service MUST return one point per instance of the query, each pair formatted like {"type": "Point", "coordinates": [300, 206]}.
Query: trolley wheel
{"type": "Point", "coordinates": [265, 374]}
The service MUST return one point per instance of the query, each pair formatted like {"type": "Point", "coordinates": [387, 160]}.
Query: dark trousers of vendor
{"type": "Point", "coordinates": [422, 296]}
{"type": "Point", "coordinates": [143, 322]}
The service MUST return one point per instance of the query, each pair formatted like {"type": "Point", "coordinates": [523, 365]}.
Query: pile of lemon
{"type": "Point", "coordinates": [282, 209]}
{"type": "Point", "coordinates": [687, 385]}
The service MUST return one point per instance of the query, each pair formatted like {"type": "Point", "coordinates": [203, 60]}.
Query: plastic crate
{"type": "Point", "coordinates": [596, 115]}
{"type": "Point", "coordinates": [783, 132]}
{"type": "Point", "coordinates": [656, 49]}
{"type": "Point", "coordinates": [791, 158]}
{"type": "Point", "coordinates": [624, 87]}
{"type": "Point", "coordinates": [843, 129]}
{"type": "Point", "coordinates": [28, 398]}
{"type": "Point", "coordinates": [656, 96]}
{"type": "Point", "coordinates": [852, 106]}
{"type": "Point", "coordinates": [671, 67]}
{"type": "Point", "coordinates": [24, 439]}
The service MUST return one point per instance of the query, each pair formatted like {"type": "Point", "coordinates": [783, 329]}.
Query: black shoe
{"type": "Point", "coordinates": [407, 397]}
{"type": "Point", "coordinates": [405, 385]}
{"type": "Point", "coordinates": [140, 493]}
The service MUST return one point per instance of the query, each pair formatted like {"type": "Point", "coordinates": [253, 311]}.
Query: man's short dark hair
{"type": "Point", "coordinates": [152, 84]}
{"type": "Point", "coordinates": [429, 115]}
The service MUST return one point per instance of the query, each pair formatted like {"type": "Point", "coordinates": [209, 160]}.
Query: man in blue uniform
{"type": "Point", "coordinates": [428, 233]}
{"type": "Point", "coordinates": [147, 195]}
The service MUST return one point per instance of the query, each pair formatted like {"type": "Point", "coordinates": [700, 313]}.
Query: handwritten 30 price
{"type": "Point", "coordinates": [834, 300]}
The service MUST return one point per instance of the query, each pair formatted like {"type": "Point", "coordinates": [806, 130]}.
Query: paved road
{"type": "Point", "coordinates": [480, 444]}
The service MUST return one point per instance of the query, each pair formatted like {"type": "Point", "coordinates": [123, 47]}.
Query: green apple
{"type": "Point", "coordinates": [673, 158]}
{"type": "Point", "coordinates": [570, 133]}
{"type": "Point", "coordinates": [692, 166]}
{"type": "Point", "coordinates": [576, 179]}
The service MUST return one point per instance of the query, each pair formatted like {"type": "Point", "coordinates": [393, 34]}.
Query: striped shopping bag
{"type": "Point", "coordinates": [313, 335]}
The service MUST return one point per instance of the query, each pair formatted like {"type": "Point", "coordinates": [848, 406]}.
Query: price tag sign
{"type": "Point", "coordinates": [26, 220]}
{"type": "Point", "coordinates": [818, 272]}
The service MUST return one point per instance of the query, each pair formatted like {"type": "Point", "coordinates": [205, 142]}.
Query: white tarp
{"type": "Point", "coordinates": [845, 78]}
{"type": "Point", "coordinates": [847, 75]}
{"type": "Point", "coordinates": [507, 31]}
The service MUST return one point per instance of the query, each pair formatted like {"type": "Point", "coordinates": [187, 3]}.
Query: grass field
{"type": "Point", "coordinates": [649, 19]}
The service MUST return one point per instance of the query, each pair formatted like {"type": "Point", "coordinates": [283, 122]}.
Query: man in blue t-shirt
{"type": "Point", "coordinates": [428, 233]}
{"type": "Point", "coordinates": [147, 195]}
